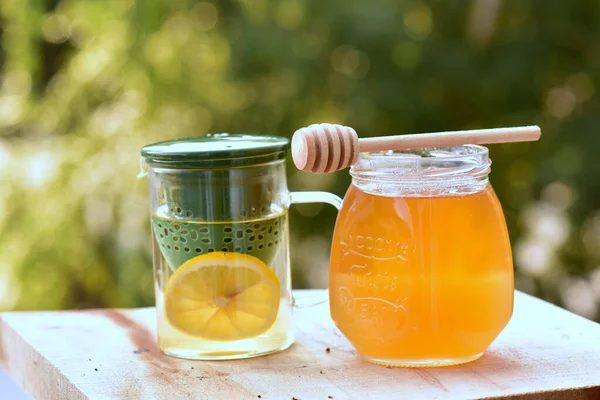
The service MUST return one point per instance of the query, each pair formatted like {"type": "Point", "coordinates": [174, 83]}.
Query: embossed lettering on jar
{"type": "Point", "coordinates": [421, 265]}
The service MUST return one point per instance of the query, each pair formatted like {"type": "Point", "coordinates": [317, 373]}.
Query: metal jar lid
{"type": "Point", "coordinates": [215, 150]}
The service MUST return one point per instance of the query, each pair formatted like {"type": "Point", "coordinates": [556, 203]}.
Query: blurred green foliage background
{"type": "Point", "coordinates": [85, 84]}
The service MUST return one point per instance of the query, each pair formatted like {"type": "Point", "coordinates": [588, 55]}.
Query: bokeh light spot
{"type": "Point", "coordinates": [559, 194]}
{"type": "Point", "coordinates": [534, 257]}
{"type": "Point", "coordinates": [179, 28]}
{"type": "Point", "coordinates": [579, 297]}
{"type": "Point", "coordinates": [560, 102]}
{"type": "Point", "coordinates": [418, 21]}
{"type": "Point", "coordinates": [289, 14]}
{"type": "Point", "coordinates": [349, 61]}
{"type": "Point", "coordinates": [159, 50]}
{"type": "Point", "coordinates": [205, 16]}
{"type": "Point", "coordinates": [56, 28]}
{"type": "Point", "coordinates": [11, 110]}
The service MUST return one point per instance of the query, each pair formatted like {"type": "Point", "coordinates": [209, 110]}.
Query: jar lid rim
{"type": "Point", "coordinates": [437, 153]}
{"type": "Point", "coordinates": [423, 164]}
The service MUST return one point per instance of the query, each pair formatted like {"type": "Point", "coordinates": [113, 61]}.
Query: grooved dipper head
{"type": "Point", "coordinates": [323, 148]}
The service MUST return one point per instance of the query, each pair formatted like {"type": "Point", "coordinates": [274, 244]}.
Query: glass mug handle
{"type": "Point", "coordinates": [314, 197]}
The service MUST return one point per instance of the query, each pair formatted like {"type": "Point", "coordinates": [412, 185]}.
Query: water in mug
{"type": "Point", "coordinates": [222, 288]}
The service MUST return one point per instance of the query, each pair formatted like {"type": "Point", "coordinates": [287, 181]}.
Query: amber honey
{"type": "Point", "coordinates": [421, 280]}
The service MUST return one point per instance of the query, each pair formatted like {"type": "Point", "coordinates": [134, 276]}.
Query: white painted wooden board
{"type": "Point", "coordinates": [544, 353]}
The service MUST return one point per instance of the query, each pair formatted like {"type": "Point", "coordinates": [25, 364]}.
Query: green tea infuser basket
{"type": "Point", "coordinates": [217, 193]}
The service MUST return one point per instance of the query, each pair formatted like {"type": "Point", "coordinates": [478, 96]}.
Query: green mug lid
{"type": "Point", "coordinates": [215, 150]}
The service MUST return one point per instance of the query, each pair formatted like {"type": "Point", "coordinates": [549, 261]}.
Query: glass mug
{"type": "Point", "coordinates": [219, 207]}
{"type": "Point", "coordinates": [421, 268]}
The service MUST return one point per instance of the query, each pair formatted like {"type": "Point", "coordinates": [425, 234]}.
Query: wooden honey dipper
{"type": "Point", "coordinates": [323, 148]}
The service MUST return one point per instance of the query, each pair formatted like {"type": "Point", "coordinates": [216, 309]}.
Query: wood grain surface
{"type": "Point", "coordinates": [544, 353]}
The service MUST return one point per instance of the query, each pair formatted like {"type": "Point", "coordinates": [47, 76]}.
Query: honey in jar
{"type": "Point", "coordinates": [421, 268]}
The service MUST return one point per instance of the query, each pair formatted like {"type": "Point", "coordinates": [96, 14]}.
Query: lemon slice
{"type": "Point", "coordinates": [222, 296]}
